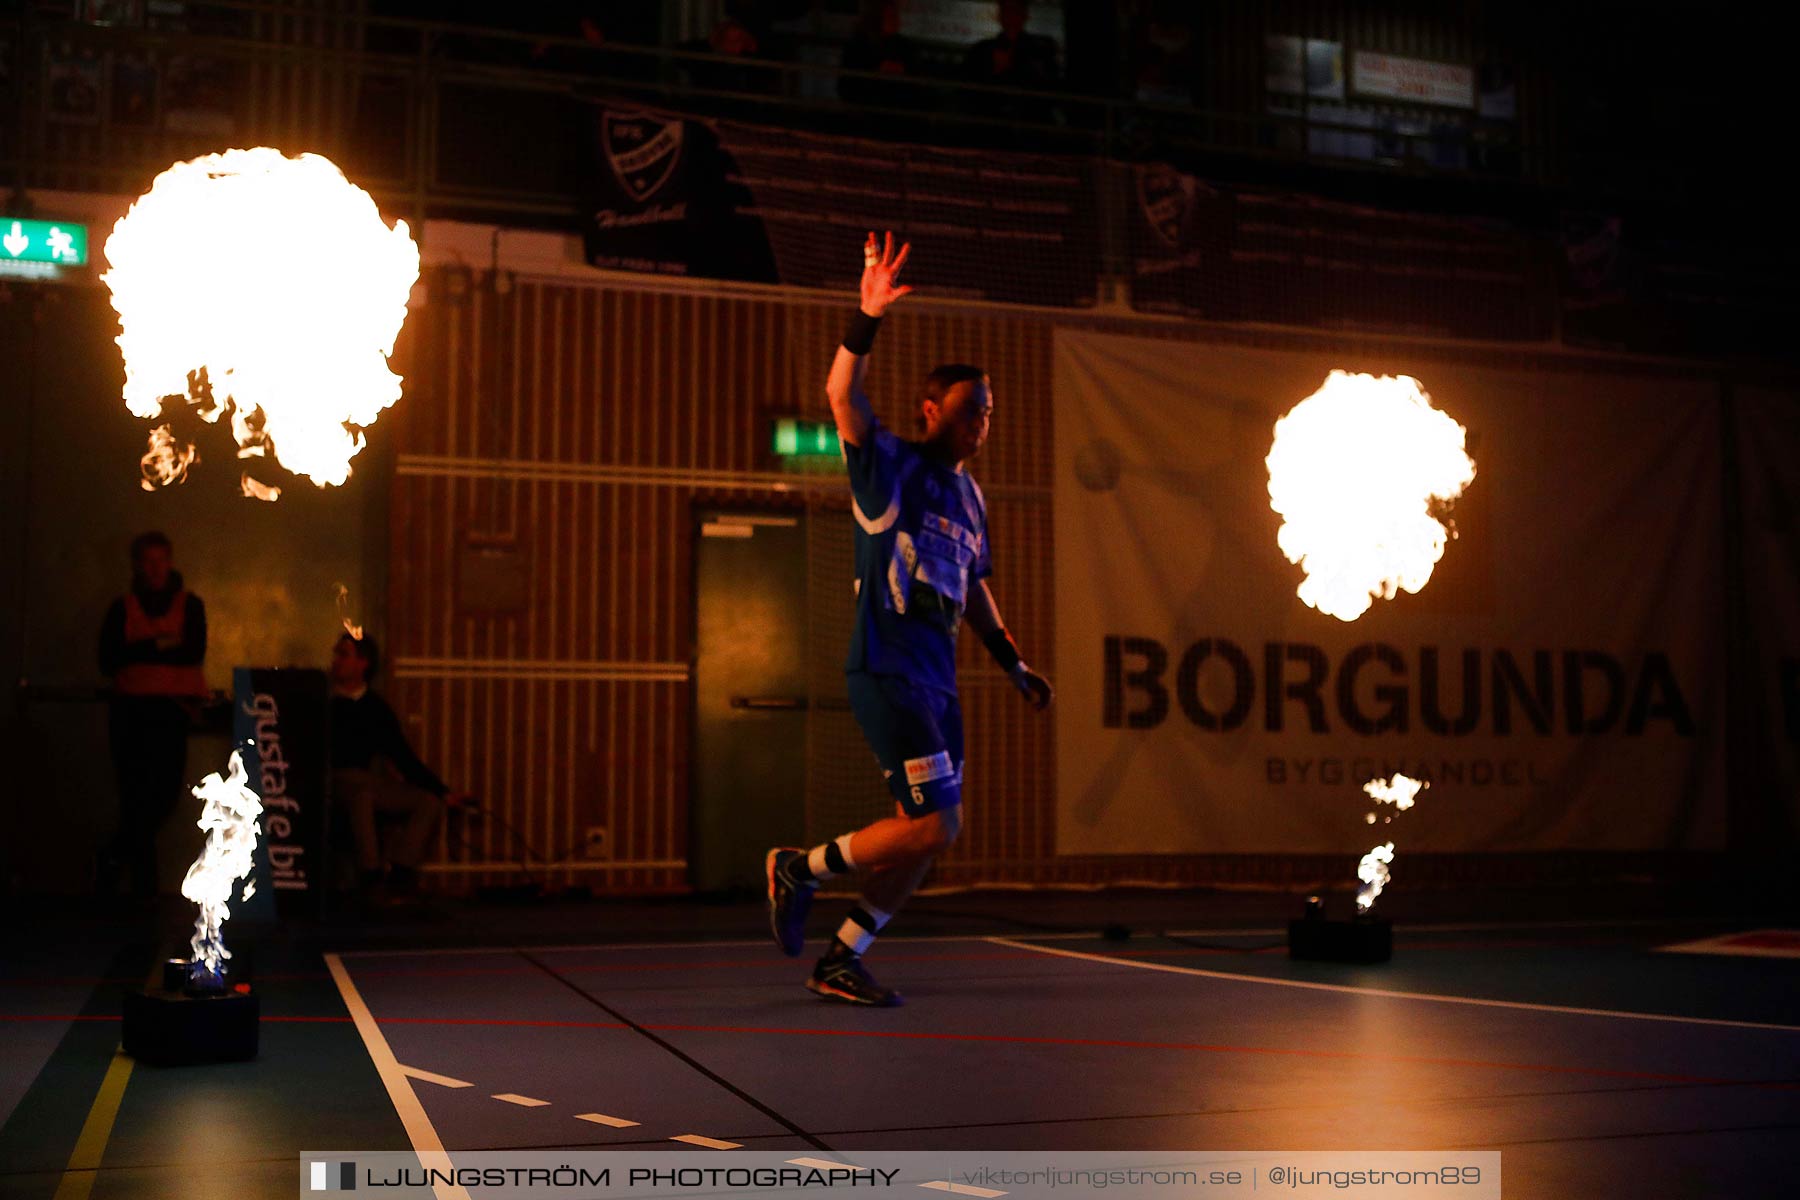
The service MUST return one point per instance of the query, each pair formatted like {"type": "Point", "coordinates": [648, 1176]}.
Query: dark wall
{"type": "Point", "coordinates": [70, 501]}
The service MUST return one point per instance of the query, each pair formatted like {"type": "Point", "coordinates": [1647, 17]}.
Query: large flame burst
{"type": "Point", "coordinates": [267, 287]}
{"type": "Point", "coordinates": [228, 816]}
{"type": "Point", "coordinates": [1356, 472]}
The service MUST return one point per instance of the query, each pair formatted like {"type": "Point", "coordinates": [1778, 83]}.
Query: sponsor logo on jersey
{"type": "Point", "coordinates": [924, 770]}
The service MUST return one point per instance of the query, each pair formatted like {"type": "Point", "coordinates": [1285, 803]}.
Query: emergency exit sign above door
{"type": "Point", "coordinates": [63, 243]}
{"type": "Point", "coordinates": [796, 437]}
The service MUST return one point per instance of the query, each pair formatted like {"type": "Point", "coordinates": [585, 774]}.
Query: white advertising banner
{"type": "Point", "coordinates": [1768, 447]}
{"type": "Point", "coordinates": [1417, 79]}
{"type": "Point", "coordinates": [1556, 681]}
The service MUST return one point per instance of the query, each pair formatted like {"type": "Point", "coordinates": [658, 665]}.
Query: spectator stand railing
{"type": "Point", "coordinates": [439, 118]}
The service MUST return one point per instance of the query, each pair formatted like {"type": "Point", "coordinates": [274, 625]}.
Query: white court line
{"type": "Point", "coordinates": [694, 1139]}
{"type": "Point", "coordinates": [960, 1189]}
{"type": "Point", "coordinates": [1732, 943]}
{"type": "Point", "coordinates": [419, 1130]}
{"type": "Point", "coordinates": [1076, 936]}
{"type": "Point", "coordinates": [1385, 993]}
{"type": "Point", "coordinates": [429, 1077]}
{"type": "Point", "coordinates": [603, 1119]}
{"type": "Point", "coordinates": [824, 1164]}
{"type": "Point", "coordinates": [521, 1101]}
{"type": "Point", "coordinates": [1453, 927]}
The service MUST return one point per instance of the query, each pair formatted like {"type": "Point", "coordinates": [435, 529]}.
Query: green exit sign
{"type": "Point", "coordinates": [60, 243]}
{"type": "Point", "coordinates": [797, 438]}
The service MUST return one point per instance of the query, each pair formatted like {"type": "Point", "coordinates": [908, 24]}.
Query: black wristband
{"type": "Point", "coordinates": [1005, 651]}
{"type": "Point", "coordinates": [859, 339]}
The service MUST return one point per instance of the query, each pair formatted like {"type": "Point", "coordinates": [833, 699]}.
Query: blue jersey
{"type": "Point", "coordinates": [921, 542]}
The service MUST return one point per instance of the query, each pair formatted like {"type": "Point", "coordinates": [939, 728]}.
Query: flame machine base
{"type": "Point", "coordinates": [191, 1019]}
{"type": "Point", "coordinates": [1361, 939]}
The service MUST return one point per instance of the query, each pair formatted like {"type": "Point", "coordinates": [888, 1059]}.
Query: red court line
{"type": "Point", "coordinates": [496, 1022]}
{"type": "Point", "coordinates": [887, 956]}
{"type": "Point", "coordinates": [26, 1017]}
{"type": "Point", "coordinates": [507, 1023]}
{"type": "Point", "coordinates": [454, 972]}
{"type": "Point", "coordinates": [1023, 1040]}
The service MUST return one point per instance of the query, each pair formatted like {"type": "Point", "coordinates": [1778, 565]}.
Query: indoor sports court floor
{"type": "Point", "coordinates": [1597, 1060]}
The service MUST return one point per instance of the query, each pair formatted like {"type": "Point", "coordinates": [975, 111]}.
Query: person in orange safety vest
{"type": "Point", "coordinates": [152, 644]}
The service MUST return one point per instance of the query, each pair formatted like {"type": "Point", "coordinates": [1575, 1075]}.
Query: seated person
{"type": "Point", "coordinates": [879, 46]}
{"type": "Point", "coordinates": [739, 33]}
{"type": "Point", "coordinates": [365, 737]}
{"type": "Point", "coordinates": [1012, 57]}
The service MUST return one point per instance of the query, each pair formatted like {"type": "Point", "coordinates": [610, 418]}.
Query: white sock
{"type": "Point", "coordinates": [860, 927]}
{"type": "Point", "coordinates": [818, 860]}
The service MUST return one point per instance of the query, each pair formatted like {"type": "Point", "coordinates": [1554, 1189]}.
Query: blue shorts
{"type": "Point", "coordinates": [917, 735]}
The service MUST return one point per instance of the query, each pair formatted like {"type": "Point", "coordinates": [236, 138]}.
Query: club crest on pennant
{"type": "Point", "coordinates": [642, 149]}
{"type": "Point", "coordinates": [1167, 199]}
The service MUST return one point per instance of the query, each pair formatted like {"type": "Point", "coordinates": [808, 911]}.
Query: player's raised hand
{"type": "Point", "coordinates": [881, 273]}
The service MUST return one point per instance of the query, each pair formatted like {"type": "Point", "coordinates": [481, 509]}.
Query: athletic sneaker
{"type": "Point", "coordinates": [789, 902]}
{"type": "Point", "coordinates": [841, 975]}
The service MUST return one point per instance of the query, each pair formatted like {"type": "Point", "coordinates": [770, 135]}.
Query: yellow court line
{"type": "Point", "coordinates": [90, 1145]}
{"type": "Point", "coordinates": [521, 1101]}
{"type": "Point", "coordinates": [96, 1131]}
{"type": "Point", "coordinates": [419, 1129]}
{"type": "Point", "coordinates": [960, 1189]}
{"type": "Point", "coordinates": [430, 1077]}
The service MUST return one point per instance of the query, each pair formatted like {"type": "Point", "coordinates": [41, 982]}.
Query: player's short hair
{"type": "Point", "coordinates": [940, 379]}
{"type": "Point", "coordinates": [148, 539]}
{"type": "Point", "coordinates": [366, 649]}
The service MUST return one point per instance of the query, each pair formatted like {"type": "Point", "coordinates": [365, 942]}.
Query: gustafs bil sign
{"type": "Point", "coordinates": [280, 722]}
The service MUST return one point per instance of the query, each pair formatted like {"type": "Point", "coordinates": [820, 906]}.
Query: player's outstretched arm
{"type": "Point", "coordinates": [844, 386]}
{"type": "Point", "coordinates": [983, 616]}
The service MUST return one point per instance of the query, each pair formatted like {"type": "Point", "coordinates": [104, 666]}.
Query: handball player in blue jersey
{"type": "Point", "coordinates": [922, 563]}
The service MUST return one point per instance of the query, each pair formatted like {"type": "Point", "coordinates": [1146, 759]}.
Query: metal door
{"type": "Point", "coordinates": [750, 695]}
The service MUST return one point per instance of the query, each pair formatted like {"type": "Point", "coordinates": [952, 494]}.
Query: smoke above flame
{"type": "Point", "coordinates": [268, 288]}
{"type": "Point", "coordinates": [228, 818]}
{"type": "Point", "coordinates": [1358, 471]}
